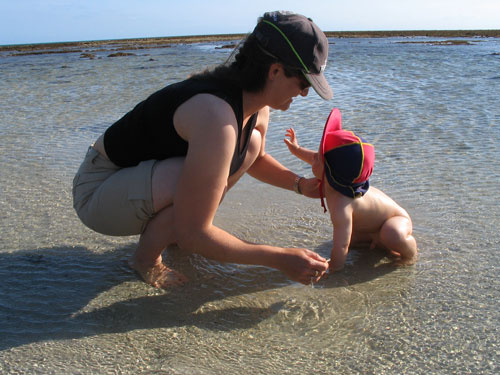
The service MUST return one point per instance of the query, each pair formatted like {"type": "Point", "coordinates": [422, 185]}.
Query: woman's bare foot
{"type": "Point", "coordinates": [158, 274]}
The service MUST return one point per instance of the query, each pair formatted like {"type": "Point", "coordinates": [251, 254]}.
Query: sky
{"type": "Point", "coordinates": [45, 21]}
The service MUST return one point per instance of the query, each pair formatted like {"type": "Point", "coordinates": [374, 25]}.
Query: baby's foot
{"type": "Point", "coordinates": [405, 261]}
{"type": "Point", "coordinates": [158, 275]}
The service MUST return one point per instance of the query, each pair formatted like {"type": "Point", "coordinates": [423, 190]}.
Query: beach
{"type": "Point", "coordinates": [69, 304]}
{"type": "Point", "coordinates": [165, 42]}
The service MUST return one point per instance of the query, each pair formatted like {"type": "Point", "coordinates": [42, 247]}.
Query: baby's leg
{"type": "Point", "coordinates": [396, 235]}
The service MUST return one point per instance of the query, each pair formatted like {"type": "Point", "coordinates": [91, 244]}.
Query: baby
{"type": "Point", "coordinates": [360, 214]}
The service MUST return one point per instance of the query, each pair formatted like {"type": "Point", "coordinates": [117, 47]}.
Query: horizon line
{"type": "Point", "coordinates": [229, 36]}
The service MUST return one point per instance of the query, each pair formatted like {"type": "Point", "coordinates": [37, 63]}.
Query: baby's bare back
{"type": "Point", "coordinates": [373, 209]}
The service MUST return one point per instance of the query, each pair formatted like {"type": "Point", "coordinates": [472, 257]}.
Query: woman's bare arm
{"type": "Point", "coordinates": [201, 185]}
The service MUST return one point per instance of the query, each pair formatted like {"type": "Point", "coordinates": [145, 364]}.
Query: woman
{"type": "Point", "coordinates": [162, 170]}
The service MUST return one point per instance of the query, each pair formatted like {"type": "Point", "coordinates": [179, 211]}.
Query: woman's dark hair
{"type": "Point", "coordinates": [249, 68]}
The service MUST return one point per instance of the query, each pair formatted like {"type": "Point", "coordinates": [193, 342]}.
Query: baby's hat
{"type": "Point", "coordinates": [347, 158]}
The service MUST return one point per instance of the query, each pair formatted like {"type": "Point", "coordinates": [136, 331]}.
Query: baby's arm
{"type": "Point", "coordinates": [341, 216]}
{"type": "Point", "coordinates": [300, 152]}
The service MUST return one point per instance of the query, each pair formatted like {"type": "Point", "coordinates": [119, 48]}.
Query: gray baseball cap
{"type": "Point", "coordinates": [297, 42]}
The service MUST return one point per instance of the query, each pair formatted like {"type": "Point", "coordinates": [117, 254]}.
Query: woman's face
{"type": "Point", "coordinates": [285, 88]}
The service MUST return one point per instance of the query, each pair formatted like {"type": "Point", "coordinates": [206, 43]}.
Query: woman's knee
{"type": "Point", "coordinates": [255, 144]}
{"type": "Point", "coordinates": [166, 174]}
{"type": "Point", "coordinates": [253, 150]}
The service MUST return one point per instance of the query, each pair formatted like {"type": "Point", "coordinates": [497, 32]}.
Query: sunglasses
{"type": "Point", "coordinates": [294, 72]}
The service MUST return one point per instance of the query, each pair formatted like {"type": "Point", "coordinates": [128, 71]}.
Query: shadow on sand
{"type": "Point", "coordinates": [71, 292]}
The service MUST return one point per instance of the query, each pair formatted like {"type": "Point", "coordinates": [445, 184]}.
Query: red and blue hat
{"type": "Point", "coordinates": [347, 158]}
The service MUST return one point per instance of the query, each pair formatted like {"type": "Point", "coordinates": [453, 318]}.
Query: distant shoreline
{"type": "Point", "coordinates": [162, 42]}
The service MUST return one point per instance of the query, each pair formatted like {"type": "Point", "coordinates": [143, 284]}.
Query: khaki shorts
{"type": "Point", "coordinates": [112, 200]}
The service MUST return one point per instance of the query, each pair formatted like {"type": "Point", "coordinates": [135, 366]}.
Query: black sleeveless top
{"type": "Point", "coordinates": [147, 132]}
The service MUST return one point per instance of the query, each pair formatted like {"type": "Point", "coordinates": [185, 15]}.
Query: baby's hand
{"type": "Point", "coordinates": [292, 143]}
{"type": "Point", "coordinates": [334, 267]}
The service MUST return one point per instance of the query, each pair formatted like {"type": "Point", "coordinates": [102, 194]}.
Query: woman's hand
{"type": "Point", "coordinates": [302, 265]}
{"type": "Point", "coordinates": [309, 187]}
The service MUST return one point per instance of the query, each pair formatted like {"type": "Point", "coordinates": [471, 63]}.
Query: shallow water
{"type": "Point", "coordinates": [70, 305]}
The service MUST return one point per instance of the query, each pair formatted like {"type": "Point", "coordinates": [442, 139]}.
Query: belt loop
{"type": "Point", "coordinates": [93, 153]}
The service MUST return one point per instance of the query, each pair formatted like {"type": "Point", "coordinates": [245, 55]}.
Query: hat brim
{"type": "Point", "coordinates": [320, 85]}
{"type": "Point", "coordinates": [333, 123]}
